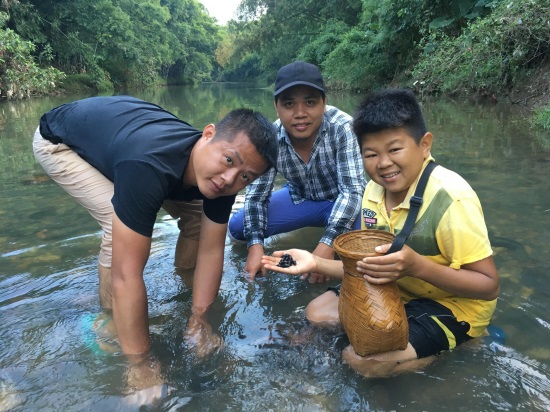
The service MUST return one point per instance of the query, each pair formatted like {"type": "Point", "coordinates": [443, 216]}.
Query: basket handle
{"type": "Point", "coordinates": [415, 203]}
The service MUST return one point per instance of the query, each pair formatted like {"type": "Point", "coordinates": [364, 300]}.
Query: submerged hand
{"type": "Point", "coordinates": [253, 265]}
{"type": "Point", "coordinates": [315, 277]}
{"type": "Point", "coordinates": [146, 396]}
{"type": "Point", "coordinates": [144, 372]}
{"type": "Point", "coordinates": [199, 334]}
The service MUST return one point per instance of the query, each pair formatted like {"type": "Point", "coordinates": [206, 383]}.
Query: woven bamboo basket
{"type": "Point", "coordinates": [373, 316]}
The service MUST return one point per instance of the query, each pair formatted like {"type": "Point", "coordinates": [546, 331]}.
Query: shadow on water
{"type": "Point", "coordinates": [272, 359]}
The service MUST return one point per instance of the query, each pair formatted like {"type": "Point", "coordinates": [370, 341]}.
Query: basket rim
{"type": "Point", "coordinates": [375, 233]}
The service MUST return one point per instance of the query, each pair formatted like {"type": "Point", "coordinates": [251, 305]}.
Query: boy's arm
{"type": "Point", "coordinates": [477, 280]}
{"type": "Point", "coordinates": [324, 251]}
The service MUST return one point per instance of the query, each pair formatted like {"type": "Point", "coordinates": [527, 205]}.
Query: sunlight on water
{"type": "Point", "coordinates": [52, 359]}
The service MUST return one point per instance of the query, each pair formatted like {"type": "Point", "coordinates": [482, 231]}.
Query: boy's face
{"type": "Point", "coordinates": [301, 109]}
{"type": "Point", "coordinates": [392, 159]}
{"type": "Point", "coordinates": [222, 168]}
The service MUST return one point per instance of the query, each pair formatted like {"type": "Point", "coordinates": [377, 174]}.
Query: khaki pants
{"type": "Point", "coordinates": [94, 192]}
{"type": "Point", "coordinates": [189, 223]}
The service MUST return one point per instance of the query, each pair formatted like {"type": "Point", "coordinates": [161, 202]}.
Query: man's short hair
{"type": "Point", "coordinates": [260, 131]}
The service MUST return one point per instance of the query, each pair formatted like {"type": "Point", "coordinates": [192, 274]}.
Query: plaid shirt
{"type": "Point", "coordinates": [334, 172]}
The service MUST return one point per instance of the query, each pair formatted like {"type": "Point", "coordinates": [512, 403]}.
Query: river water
{"type": "Point", "coordinates": [272, 359]}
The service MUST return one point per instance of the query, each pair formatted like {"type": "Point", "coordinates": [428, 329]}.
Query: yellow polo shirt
{"type": "Point", "coordinates": [449, 230]}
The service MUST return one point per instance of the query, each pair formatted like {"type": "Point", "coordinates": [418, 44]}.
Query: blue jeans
{"type": "Point", "coordinates": [284, 216]}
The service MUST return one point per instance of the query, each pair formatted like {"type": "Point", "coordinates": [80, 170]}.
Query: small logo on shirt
{"type": "Point", "coordinates": [368, 217]}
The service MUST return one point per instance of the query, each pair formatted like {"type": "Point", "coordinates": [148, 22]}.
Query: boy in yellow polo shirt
{"type": "Point", "coordinates": [445, 271]}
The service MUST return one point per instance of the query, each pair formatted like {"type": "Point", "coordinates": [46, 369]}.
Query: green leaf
{"type": "Point", "coordinates": [441, 22]}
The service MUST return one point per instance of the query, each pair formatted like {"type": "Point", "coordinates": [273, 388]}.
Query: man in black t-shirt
{"type": "Point", "coordinates": [123, 159]}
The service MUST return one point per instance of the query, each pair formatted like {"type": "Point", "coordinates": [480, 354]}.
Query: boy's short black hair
{"type": "Point", "coordinates": [389, 109]}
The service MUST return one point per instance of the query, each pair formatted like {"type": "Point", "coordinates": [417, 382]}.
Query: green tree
{"type": "Point", "coordinates": [20, 75]}
{"type": "Point", "coordinates": [126, 42]}
{"type": "Point", "coordinates": [358, 44]}
{"type": "Point", "coordinates": [491, 55]}
{"type": "Point", "coordinates": [196, 37]}
{"type": "Point", "coordinates": [274, 33]}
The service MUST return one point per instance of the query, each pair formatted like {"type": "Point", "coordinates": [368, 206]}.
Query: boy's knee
{"type": "Point", "coordinates": [311, 313]}
{"type": "Point", "coordinates": [324, 309]}
{"type": "Point", "coordinates": [319, 311]}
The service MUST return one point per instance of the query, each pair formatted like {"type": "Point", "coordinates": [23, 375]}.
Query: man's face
{"type": "Point", "coordinates": [221, 167]}
{"type": "Point", "coordinates": [301, 110]}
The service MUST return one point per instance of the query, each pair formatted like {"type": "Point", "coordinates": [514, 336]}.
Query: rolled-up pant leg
{"type": "Point", "coordinates": [284, 216]}
{"type": "Point", "coordinates": [189, 216]}
{"type": "Point", "coordinates": [90, 189]}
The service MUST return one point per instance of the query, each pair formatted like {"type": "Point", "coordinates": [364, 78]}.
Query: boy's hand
{"type": "Point", "coordinates": [305, 262]}
{"type": "Point", "coordinates": [387, 268]}
{"type": "Point", "coordinates": [326, 252]}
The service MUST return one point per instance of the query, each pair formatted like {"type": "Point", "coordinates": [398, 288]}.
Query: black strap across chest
{"type": "Point", "coordinates": [415, 203]}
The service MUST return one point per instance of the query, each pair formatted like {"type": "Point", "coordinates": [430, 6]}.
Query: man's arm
{"type": "Point", "coordinates": [255, 219]}
{"type": "Point", "coordinates": [253, 264]}
{"type": "Point", "coordinates": [351, 185]}
{"type": "Point", "coordinates": [206, 285]}
{"type": "Point", "coordinates": [210, 256]}
{"type": "Point", "coordinates": [130, 312]}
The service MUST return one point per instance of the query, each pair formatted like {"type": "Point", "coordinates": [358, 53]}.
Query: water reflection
{"type": "Point", "coordinates": [272, 359]}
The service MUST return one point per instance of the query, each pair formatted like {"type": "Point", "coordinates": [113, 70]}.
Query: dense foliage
{"type": "Point", "coordinates": [359, 44]}
{"type": "Point", "coordinates": [491, 54]}
{"type": "Point", "coordinates": [120, 42]}
{"type": "Point", "coordinates": [20, 76]}
{"type": "Point", "coordinates": [542, 118]}
{"type": "Point", "coordinates": [437, 46]}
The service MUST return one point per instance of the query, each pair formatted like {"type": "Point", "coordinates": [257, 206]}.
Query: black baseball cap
{"type": "Point", "coordinates": [297, 73]}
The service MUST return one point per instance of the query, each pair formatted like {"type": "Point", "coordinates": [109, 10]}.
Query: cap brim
{"type": "Point", "coordinates": [297, 83]}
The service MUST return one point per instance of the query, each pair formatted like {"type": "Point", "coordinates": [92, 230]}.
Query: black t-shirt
{"type": "Point", "coordinates": [140, 147]}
